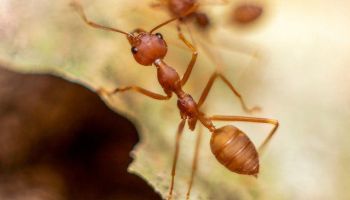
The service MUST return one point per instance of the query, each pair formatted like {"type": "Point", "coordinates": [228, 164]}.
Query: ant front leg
{"type": "Point", "coordinates": [136, 89]}
{"type": "Point", "coordinates": [176, 155]}
{"type": "Point", "coordinates": [227, 82]}
{"type": "Point", "coordinates": [193, 59]}
{"type": "Point", "coordinates": [274, 122]}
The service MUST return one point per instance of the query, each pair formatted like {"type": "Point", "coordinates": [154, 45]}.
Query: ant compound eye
{"type": "Point", "coordinates": [160, 36]}
{"type": "Point", "coordinates": [134, 50]}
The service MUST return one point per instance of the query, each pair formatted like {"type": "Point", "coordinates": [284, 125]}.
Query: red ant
{"type": "Point", "coordinates": [231, 146]}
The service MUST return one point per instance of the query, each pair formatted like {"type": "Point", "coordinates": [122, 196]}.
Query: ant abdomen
{"type": "Point", "coordinates": [233, 149]}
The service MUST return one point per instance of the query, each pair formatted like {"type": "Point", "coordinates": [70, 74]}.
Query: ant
{"type": "Point", "coordinates": [231, 147]}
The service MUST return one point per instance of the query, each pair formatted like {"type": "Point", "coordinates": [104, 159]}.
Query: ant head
{"type": "Point", "coordinates": [147, 47]}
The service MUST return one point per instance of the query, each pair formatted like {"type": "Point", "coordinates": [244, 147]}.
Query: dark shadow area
{"type": "Point", "coordinates": [58, 140]}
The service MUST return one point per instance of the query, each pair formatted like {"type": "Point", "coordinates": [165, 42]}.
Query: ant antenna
{"type": "Point", "coordinates": [77, 6]}
{"type": "Point", "coordinates": [189, 11]}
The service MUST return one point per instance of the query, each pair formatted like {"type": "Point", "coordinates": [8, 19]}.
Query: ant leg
{"type": "Point", "coordinates": [274, 122]}
{"type": "Point", "coordinates": [136, 89]}
{"type": "Point", "coordinates": [78, 7]}
{"type": "Point", "coordinates": [227, 82]}
{"type": "Point", "coordinates": [176, 155]}
{"type": "Point", "coordinates": [189, 32]}
{"type": "Point", "coordinates": [195, 162]}
{"type": "Point", "coordinates": [193, 60]}
{"type": "Point", "coordinates": [175, 43]}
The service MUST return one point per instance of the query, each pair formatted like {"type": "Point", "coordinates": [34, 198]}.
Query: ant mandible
{"type": "Point", "coordinates": [231, 146]}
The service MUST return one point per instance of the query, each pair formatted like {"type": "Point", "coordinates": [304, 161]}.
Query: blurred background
{"type": "Point", "coordinates": [60, 141]}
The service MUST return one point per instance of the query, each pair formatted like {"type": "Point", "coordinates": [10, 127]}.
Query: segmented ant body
{"type": "Point", "coordinates": [230, 145]}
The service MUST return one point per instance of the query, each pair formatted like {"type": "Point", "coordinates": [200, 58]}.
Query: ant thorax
{"type": "Point", "coordinates": [147, 47]}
